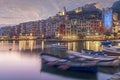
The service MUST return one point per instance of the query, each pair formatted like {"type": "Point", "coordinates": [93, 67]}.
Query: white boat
{"type": "Point", "coordinates": [109, 63]}
{"type": "Point", "coordinates": [103, 60]}
{"type": "Point", "coordinates": [116, 40]}
{"type": "Point", "coordinates": [110, 49]}
{"type": "Point", "coordinates": [69, 64]}
{"type": "Point", "coordinates": [116, 76]}
{"type": "Point", "coordinates": [95, 57]}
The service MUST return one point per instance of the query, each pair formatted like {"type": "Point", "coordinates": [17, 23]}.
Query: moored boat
{"type": "Point", "coordinates": [82, 65]}
{"type": "Point", "coordinates": [93, 57]}
{"type": "Point", "coordinates": [103, 59]}
{"type": "Point", "coordinates": [77, 66]}
{"type": "Point", "coordinates": [113, 63]}
{"type": "Point", "coordinates": [116, 76]}
{"type": "Point", "coordinates": [109, 61]}
{"type": "Point", "coordinates": [110, 49]}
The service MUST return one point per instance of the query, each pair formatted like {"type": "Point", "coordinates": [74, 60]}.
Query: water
{"type": "Point", "coordinates": [21, 61]}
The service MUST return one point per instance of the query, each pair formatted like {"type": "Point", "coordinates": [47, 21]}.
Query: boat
{"type": "Point", "coordinates": [92, 57]}
{"type": "Point", "coordinates": [117, 41]}
{"type": "Point", "coordinates": [102, 58]}
{"type": "Point", "coordinates": [52, 60]}
{"type": "Point", "coordinates": [68, 64]}
{"type": "Point", "coordinates": [113, 63]}
{"type": "Point", "coordinates": [116, 76]}
{"type": "Point", "coordinates": [109, 61]}
{"type": "Point", "coordinates": [109, 70]}
{"type": "Point", "coordinates": [110, 49]}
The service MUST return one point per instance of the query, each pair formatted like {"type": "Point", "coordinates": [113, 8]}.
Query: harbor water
{"type": "Point", "coordinates": [21, 60]}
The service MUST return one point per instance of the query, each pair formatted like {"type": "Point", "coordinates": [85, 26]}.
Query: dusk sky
{"type": "Point", "coordinates": [17, 11]}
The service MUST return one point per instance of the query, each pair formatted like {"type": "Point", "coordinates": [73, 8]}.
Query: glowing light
{"type": "Point", "coordinates": [97, 46]}
{"type": "Point", "coordinates": [71, 37]}
{"type": "Point", "coordinates": [13, 45]}
{"type": "Point", "coordinates": [69, 46]}
{"type": "Point", "coordinates": [88, 45]}
{"type": "Point", "coordinates": [78, 10]}
{"type": "Point", "coordinates": [118, 44]}
{"type": "Point", "coordinates": [31, 44]}
{"type": "Point", "coordinates": [43, 45]}
{"type": "Point", "coordinates": [75, 45]}
{"type": "Point", "coordinates": [42, 36]}
{"type": "Point", "coordinates": [30, 34]}
{"type": "Point", "coordinates": [58, 43]}
{"type": "Point", "coordinates": [22, 45]}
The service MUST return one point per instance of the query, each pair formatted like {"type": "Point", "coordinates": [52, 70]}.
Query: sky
{"type": "Point", "coordinates": [18, 11]}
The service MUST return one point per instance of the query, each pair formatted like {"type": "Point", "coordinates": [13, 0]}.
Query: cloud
{"type": "Point", "coordinates": [17, 11]}
{"type": "Point", "coordinates": [11, 17]}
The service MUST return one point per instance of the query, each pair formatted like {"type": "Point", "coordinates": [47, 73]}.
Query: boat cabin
{"type": "Point", "coordinates": [59, 50]}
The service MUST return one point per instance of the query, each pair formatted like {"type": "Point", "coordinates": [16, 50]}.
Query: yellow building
{"type": "Point", "coordinates": [82, 28]}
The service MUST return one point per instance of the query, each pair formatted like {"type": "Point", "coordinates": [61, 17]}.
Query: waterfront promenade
{"type": "Point", "coordinates": [61, 40]}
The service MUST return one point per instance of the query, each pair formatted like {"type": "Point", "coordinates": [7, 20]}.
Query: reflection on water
{"type": "Point", "coordinates": [118, 44]}
{"type": "Point", "coordinates": [73, 46]}
{"type": "Point", "coordinates": [23, 62]}
{"type": "Point", "coordinates": [92, 45]}
{"type": "Point", "coordinates": [43, 45]}
{"type": "Point", "coordinates": [77, 46]}
{"type": "Point", "coordinates": [16, 65]}
{"type": "Point", "coordinates": [69, 46]}
{"type": "Point", "coordinates": [87, 44]}
{"type": "Point", "coordinates": [22, 45]}
{"type": "Point", "coordinates": [30, 44]}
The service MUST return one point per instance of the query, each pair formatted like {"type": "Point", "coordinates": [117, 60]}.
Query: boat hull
{"type": "Point", "coordinates": [92, 69]}
{"type": "Point", "coordinates": [111, 53]}
{"type": "Point", "coordinates": [114, 63]}
{"type": "Point", "coordinates": [64, 66]}
{"type": "Point", "coordinates": [116, 76]}
{"type": "Point", "coordinates": [92, 57]}
{"type": "Point", "coordinates": [84, 69]}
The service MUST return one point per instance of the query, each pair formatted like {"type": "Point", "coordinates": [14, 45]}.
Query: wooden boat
{"type": "Point", "coordinates": [109, 63]}
{"type": "Point", "coordinates": [71, 74]}
{"type": "Point", "coordinates": [100, 57]}
{"type": "Point", "coordinates": [92, 57]}
{"type": "Point", "coordinates": [103, 59]}
{"type": "Point", "coordinates": [116, 76]}
{"type": "Point", "coordinates": [69, 64]}
{"type": "Point", "coordinates": [117, 41]}
{"type": "Point", "coordinates": [110, 49]}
